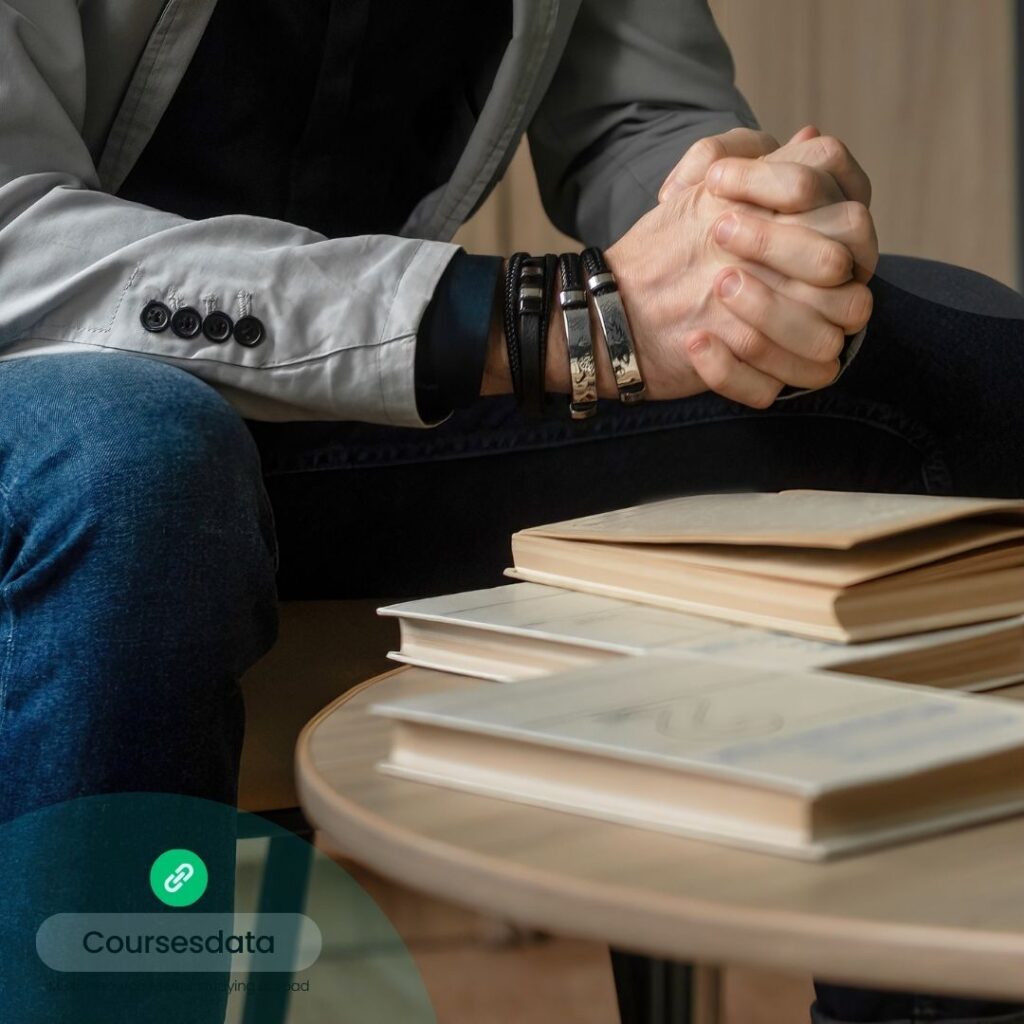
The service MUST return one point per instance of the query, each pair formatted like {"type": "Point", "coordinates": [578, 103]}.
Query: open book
{"type": "Point", "coordinates": [805, 764]}
{"type": "Point", "coordinates": [823, 564]}
{"type": "Point", "coordinates": [524, 630]}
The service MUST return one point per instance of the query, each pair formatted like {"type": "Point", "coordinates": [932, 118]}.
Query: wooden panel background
{"type": "Point", "coordinates": [921, 90]}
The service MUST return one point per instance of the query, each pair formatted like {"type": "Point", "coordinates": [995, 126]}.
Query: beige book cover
{"type": "Point", "coordinates": [808, 519]}
{"type": "Point", "coordinates": [828, 565]}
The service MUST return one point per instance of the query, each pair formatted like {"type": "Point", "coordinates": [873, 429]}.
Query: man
{"type": "Point", "coordinates": [250, 200]}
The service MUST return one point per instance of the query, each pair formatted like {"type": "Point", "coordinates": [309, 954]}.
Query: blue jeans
{"type": "Point", "coordinates": [137, 561]}
{"type": "Point", "coordinates": [138, 552]}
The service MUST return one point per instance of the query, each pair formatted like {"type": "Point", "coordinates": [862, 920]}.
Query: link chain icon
{"type": "Point", "coordinates": [178, 878]}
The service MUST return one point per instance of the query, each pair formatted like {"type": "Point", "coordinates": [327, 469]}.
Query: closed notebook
{"type": "Point", "coordinates": [804, 764]}
{"type": "Point", "coordinates": [523, 630]}
{"type": "Point", "coordinates": [829, 565]}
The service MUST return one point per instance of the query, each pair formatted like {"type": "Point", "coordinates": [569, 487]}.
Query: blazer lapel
{"type": "Point", "coordinates": [157, 75]}
{"type": "Point", "coordinates": [540, 31]}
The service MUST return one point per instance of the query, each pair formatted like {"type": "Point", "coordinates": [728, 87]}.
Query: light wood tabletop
{"type": "Point", "coordinates": [944, 914]}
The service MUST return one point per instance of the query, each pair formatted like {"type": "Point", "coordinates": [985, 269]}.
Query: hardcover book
{"type": "Point", "coordinates": [523, 630]}
{"type": "Point", "coordinates": [827, 565]}
{"type": "Point", "coordinates": [805, 764]}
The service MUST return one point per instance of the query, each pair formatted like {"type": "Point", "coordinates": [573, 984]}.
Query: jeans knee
{"type": "Point", "coordinates": [139, 471]}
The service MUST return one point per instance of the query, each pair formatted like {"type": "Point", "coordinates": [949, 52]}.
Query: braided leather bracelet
{"type": "Point", "coordinates": [614, 325]}
{"type": "Point", "coordinates": [511, 318]}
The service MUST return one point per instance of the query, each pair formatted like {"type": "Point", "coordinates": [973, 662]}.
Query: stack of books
{"type": "Point", "coordinates": [736, 666]}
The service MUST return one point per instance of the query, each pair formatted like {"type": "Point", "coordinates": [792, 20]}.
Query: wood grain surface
{"type": "Point", "coordinates": [943, 914]}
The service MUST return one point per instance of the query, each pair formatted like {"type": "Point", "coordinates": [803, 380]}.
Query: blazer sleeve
{"type": "Point", "coordinates": [639, 82]}
{"type": "Point", "coordinates": [78, 265]}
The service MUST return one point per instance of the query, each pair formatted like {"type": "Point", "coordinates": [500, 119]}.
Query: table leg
{"type": "Point", "coordinates": [662, 992]}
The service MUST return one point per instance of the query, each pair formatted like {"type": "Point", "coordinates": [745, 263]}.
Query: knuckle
{"type": "Point", "coordinates": [860, 306]}
{"type": "Point", "coordinates": [828, 344]}
{"type": "Point", "coordinates": [711, 149]}
{"type": "Point", "coordinates": [834, 263]}
{"type": "Point", "coordinates": [759, 242]}
{"type": "Point", "coordinates": [751, 345]}
{"type": "Point", "coordinates": [833, 152]}
{"type": "Point", "coordinates": [764, 398]}
{"type": "Point", "coordinates": [859, 220]}
{"type": "Point", "coordinates": [742, 133]}
{"type": "Point", "coordinates": [805, 186]}
{"type": "Point", "coordinates": [716, 375]}
{"type": "Point", "coordinates": [717, 380]}
{"type": "Point", "coordinates": [735, 175]}
{"type": "Point", "coordinates": [828, 373]}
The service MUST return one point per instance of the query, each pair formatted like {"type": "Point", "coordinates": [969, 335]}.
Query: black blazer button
{"type": "Point", "coordinates": [218, 326]}
{"type": "Point", "coordinates": [155, 316]}
{"type": "Point", "coordinates": [186, 322]}
{"type": "Point", "coordinates": [249, 331]}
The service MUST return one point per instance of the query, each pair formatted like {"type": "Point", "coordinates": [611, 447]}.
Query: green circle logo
{"type": "Point", "coordinates": [178, 878]}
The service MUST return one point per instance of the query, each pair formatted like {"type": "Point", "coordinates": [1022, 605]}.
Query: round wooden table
{"type": "Point", "coordinates": [941, 915]}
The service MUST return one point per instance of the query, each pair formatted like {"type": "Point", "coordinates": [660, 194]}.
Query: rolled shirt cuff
{"type": "Point", "coordinates": [451, 343]}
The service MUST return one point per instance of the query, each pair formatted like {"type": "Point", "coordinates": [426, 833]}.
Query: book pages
{"type": "Point", "coordinates": [536, 611]}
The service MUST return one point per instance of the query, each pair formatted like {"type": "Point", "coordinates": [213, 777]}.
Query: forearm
{"type": "Point", "coordinates": [637, 85]}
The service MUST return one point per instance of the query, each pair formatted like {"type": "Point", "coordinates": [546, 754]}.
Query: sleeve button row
{"type": "Point", "coordinates": [217, 326]}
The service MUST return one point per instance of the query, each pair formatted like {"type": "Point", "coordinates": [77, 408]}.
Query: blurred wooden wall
{"type": "Point", "coordinates": [921, 90]}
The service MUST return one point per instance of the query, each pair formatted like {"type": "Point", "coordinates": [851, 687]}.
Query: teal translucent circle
{"type": "Point", "coordinates": [92, 859]}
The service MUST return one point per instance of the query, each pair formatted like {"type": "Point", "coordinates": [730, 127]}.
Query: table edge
{"type": "Point", "coordinates": [983, 966]}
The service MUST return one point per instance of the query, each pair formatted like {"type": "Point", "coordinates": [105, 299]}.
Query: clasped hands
{"type": "Point", "coordinates": [752, 269]}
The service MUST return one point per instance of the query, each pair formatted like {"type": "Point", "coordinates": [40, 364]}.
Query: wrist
{"type": "Point", "coordinates": [497, 377]}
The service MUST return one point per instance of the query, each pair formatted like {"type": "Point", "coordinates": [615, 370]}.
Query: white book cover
{"type": "Point", "coordinates": [550, 614]}
{"type": "Point", "coordinates": [798, 733]}
{"type": "Point", "coordinates": [803, 732]}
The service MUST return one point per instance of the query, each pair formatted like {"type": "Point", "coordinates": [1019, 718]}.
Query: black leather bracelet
{"type": "Point", "coordinates": [511, 317]}
{"type": "Point", "coordinates": [614, 325]}
{"type": "Point", "coordinates": [576, 317]}
{"type": "Point", "coordinates": [536, 277]}
{"type": "Point", "coordinates": [530, 307]}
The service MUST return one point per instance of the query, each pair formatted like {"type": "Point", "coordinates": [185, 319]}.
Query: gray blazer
{"type": "Point", "coordinates": [612, 93]}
